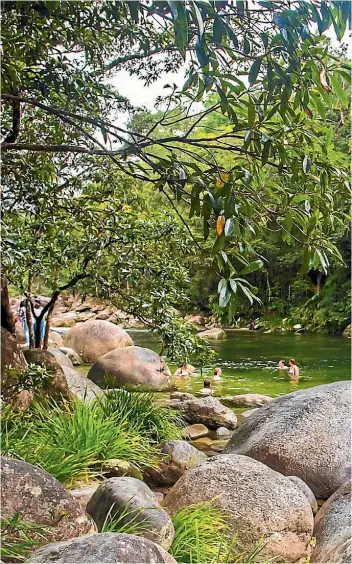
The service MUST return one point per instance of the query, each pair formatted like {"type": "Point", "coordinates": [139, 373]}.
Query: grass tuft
{"type": "Point", "coordinates": [202, 536]}
{"type": "Point", "coordinates": [19, 538]}
{"type": "Point", "coordinates": [70, 440]}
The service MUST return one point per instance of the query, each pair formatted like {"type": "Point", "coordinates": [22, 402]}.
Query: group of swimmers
{"type": "Point", "coordinates": [187, 370]}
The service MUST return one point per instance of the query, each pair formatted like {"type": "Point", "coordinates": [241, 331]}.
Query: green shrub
{"type": "Point", "coordinates": [70, 440]}
{"type": "Point", "coordinates": [202, 535]}
{"type": "Point", "coordinates": [33, 378]}
{"type": "Point", "coordinates": [139, 410]}
{"type": "Point", "coordinates": [20, 538]}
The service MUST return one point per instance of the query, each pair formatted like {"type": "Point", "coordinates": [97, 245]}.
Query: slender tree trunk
{"type": "Point", "coordinates": [29, 321]}
{"type": "Point", "coordinates": [48, 318]}
{"type": "Point", "coordinates": [7, 319]}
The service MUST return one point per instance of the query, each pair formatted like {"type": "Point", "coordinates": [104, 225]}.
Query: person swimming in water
{"type": "Point", "coordinates": [206, 391]}
{"type": "Point", "coordinates": [185, 370]}
{"type": "Point", "coordinates": [293, 369]}
{"type": "Point", "coordinates": [217, 374]}
{"type": "Point", "coordinates": [281, 365]}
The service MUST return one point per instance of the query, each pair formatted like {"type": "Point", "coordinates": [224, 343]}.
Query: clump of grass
{"type": "Point", "coordinates": [70, 440]}
{"type": "Point", "coordinates": [202, 535]}
{"type": "Point", "coordinates": [125, 521]}
{"type": "Point", "coordinates": [19, 538]}
{"type": "Point", "coordinates": [140, 410]}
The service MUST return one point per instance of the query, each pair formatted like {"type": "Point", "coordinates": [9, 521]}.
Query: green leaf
{"type": "Point", "coordinates": [225, 295]}
{"type": "Point", "coordinates": [201, 52]}
{"type": "Point", "coordinates": [233, 285]}
{"type": "Point", "coordinates": [198, 18]}
{"type": "Point", "coordinates": [133, 7]}
{"type": "Point", "coordinates": [229, 225]}
{"type": "Point", "coordinates": [306, 165]}
{"type": "Point", "coordinates": [318, 104]}
{"type": "Point", "coordinates": [251, 112]}
{"type": "Point", "coordinates": [219, 243]}
{"type": "Point", "coordinates": [254, 70]}
{"type": "Point", "coordinates": [219, 30]}
{"type": "Point", "coordinates": [339, 91]}
{"type": "Point", "coordinates": [246, 46]}
{"type": "Point", "coordinates": [252, 267]}
{"type": "Point", "coordinates": [232, 36]}
{"type": "Point", "coordinates": [181, 28]}
{"type": "Point", "coordinates": [266, 152]}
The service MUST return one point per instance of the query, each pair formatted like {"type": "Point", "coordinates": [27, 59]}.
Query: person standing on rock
{"type": "Point", "coordinates": [22, 315]}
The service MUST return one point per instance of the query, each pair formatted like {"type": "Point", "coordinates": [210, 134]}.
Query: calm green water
{"type": "Point", "coordinates": [248, 360]}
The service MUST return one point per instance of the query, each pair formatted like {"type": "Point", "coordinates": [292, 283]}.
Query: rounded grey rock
{"type": "Point", "coordinates": [131, 500]}
{"type": "Point", "coordinates": [103, 548]}
{"type": "Point", "coordinates": [305, 434]}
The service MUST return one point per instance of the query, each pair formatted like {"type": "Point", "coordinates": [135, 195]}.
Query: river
{"type": "Point", "coordinates": [248, 360]}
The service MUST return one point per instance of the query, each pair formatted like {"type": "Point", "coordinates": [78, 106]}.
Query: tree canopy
{"type": "Point", "coordinates": [246, 145]}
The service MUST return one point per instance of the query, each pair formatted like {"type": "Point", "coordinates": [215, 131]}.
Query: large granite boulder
{"type": "Point", "coordinates": [179, 456]}
{"type": "Point", "coordinates": [55, 386]}
{"type": "Point", "coordinates": [11, 358]}
{"type": "Point", "coordinates": [131, 500]}
{"type": "Point", "coordinates": [62, 358]}
{"type": "Point", "coordinates": [103, 548]}
{"type": "Point", "coordinates": [215, 334]}
{"type": "Point", "coordinates": [80, 387]}
{"type": "Point", "coordinates": [305, 434]}
{"type": "Point", "coordinates": [208, 411]}
{"type": "Point", "coordinates": [134, 368]}
{"type": "Point", "coordinates": [259, 504]}
{"type": "Point", "coordinates": [245, 400]}
{"type": "Point", "coordinates": [56, 338]}
{"type": "Point", "coordinates": [72, 355]}
{"type": "Point", "coordinates": [19, 333]}
{"type": "Point", "coordinates": [67, 319]}
{"type": "Point", "coordinates": [333, 528]}
{"type": "Point", "coordinates": [93, 339]}
{"type": "Point", "coordinates": [39, 498]}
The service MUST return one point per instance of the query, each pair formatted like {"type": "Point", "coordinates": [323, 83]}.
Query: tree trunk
{"type": "Point", "coordinates": [47, 326]}
{"type": "Point", "coordinates": [7, 319]}
{"type": "Point", "coordinates": [29, 321]}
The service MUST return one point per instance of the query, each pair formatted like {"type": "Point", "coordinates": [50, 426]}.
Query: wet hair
{"type": "Point", "coordinates": [206, 383]}
{"type": "Point", "coordinates": [23, 303]}
{"type": "Point", "coordinates": [292, 361]}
